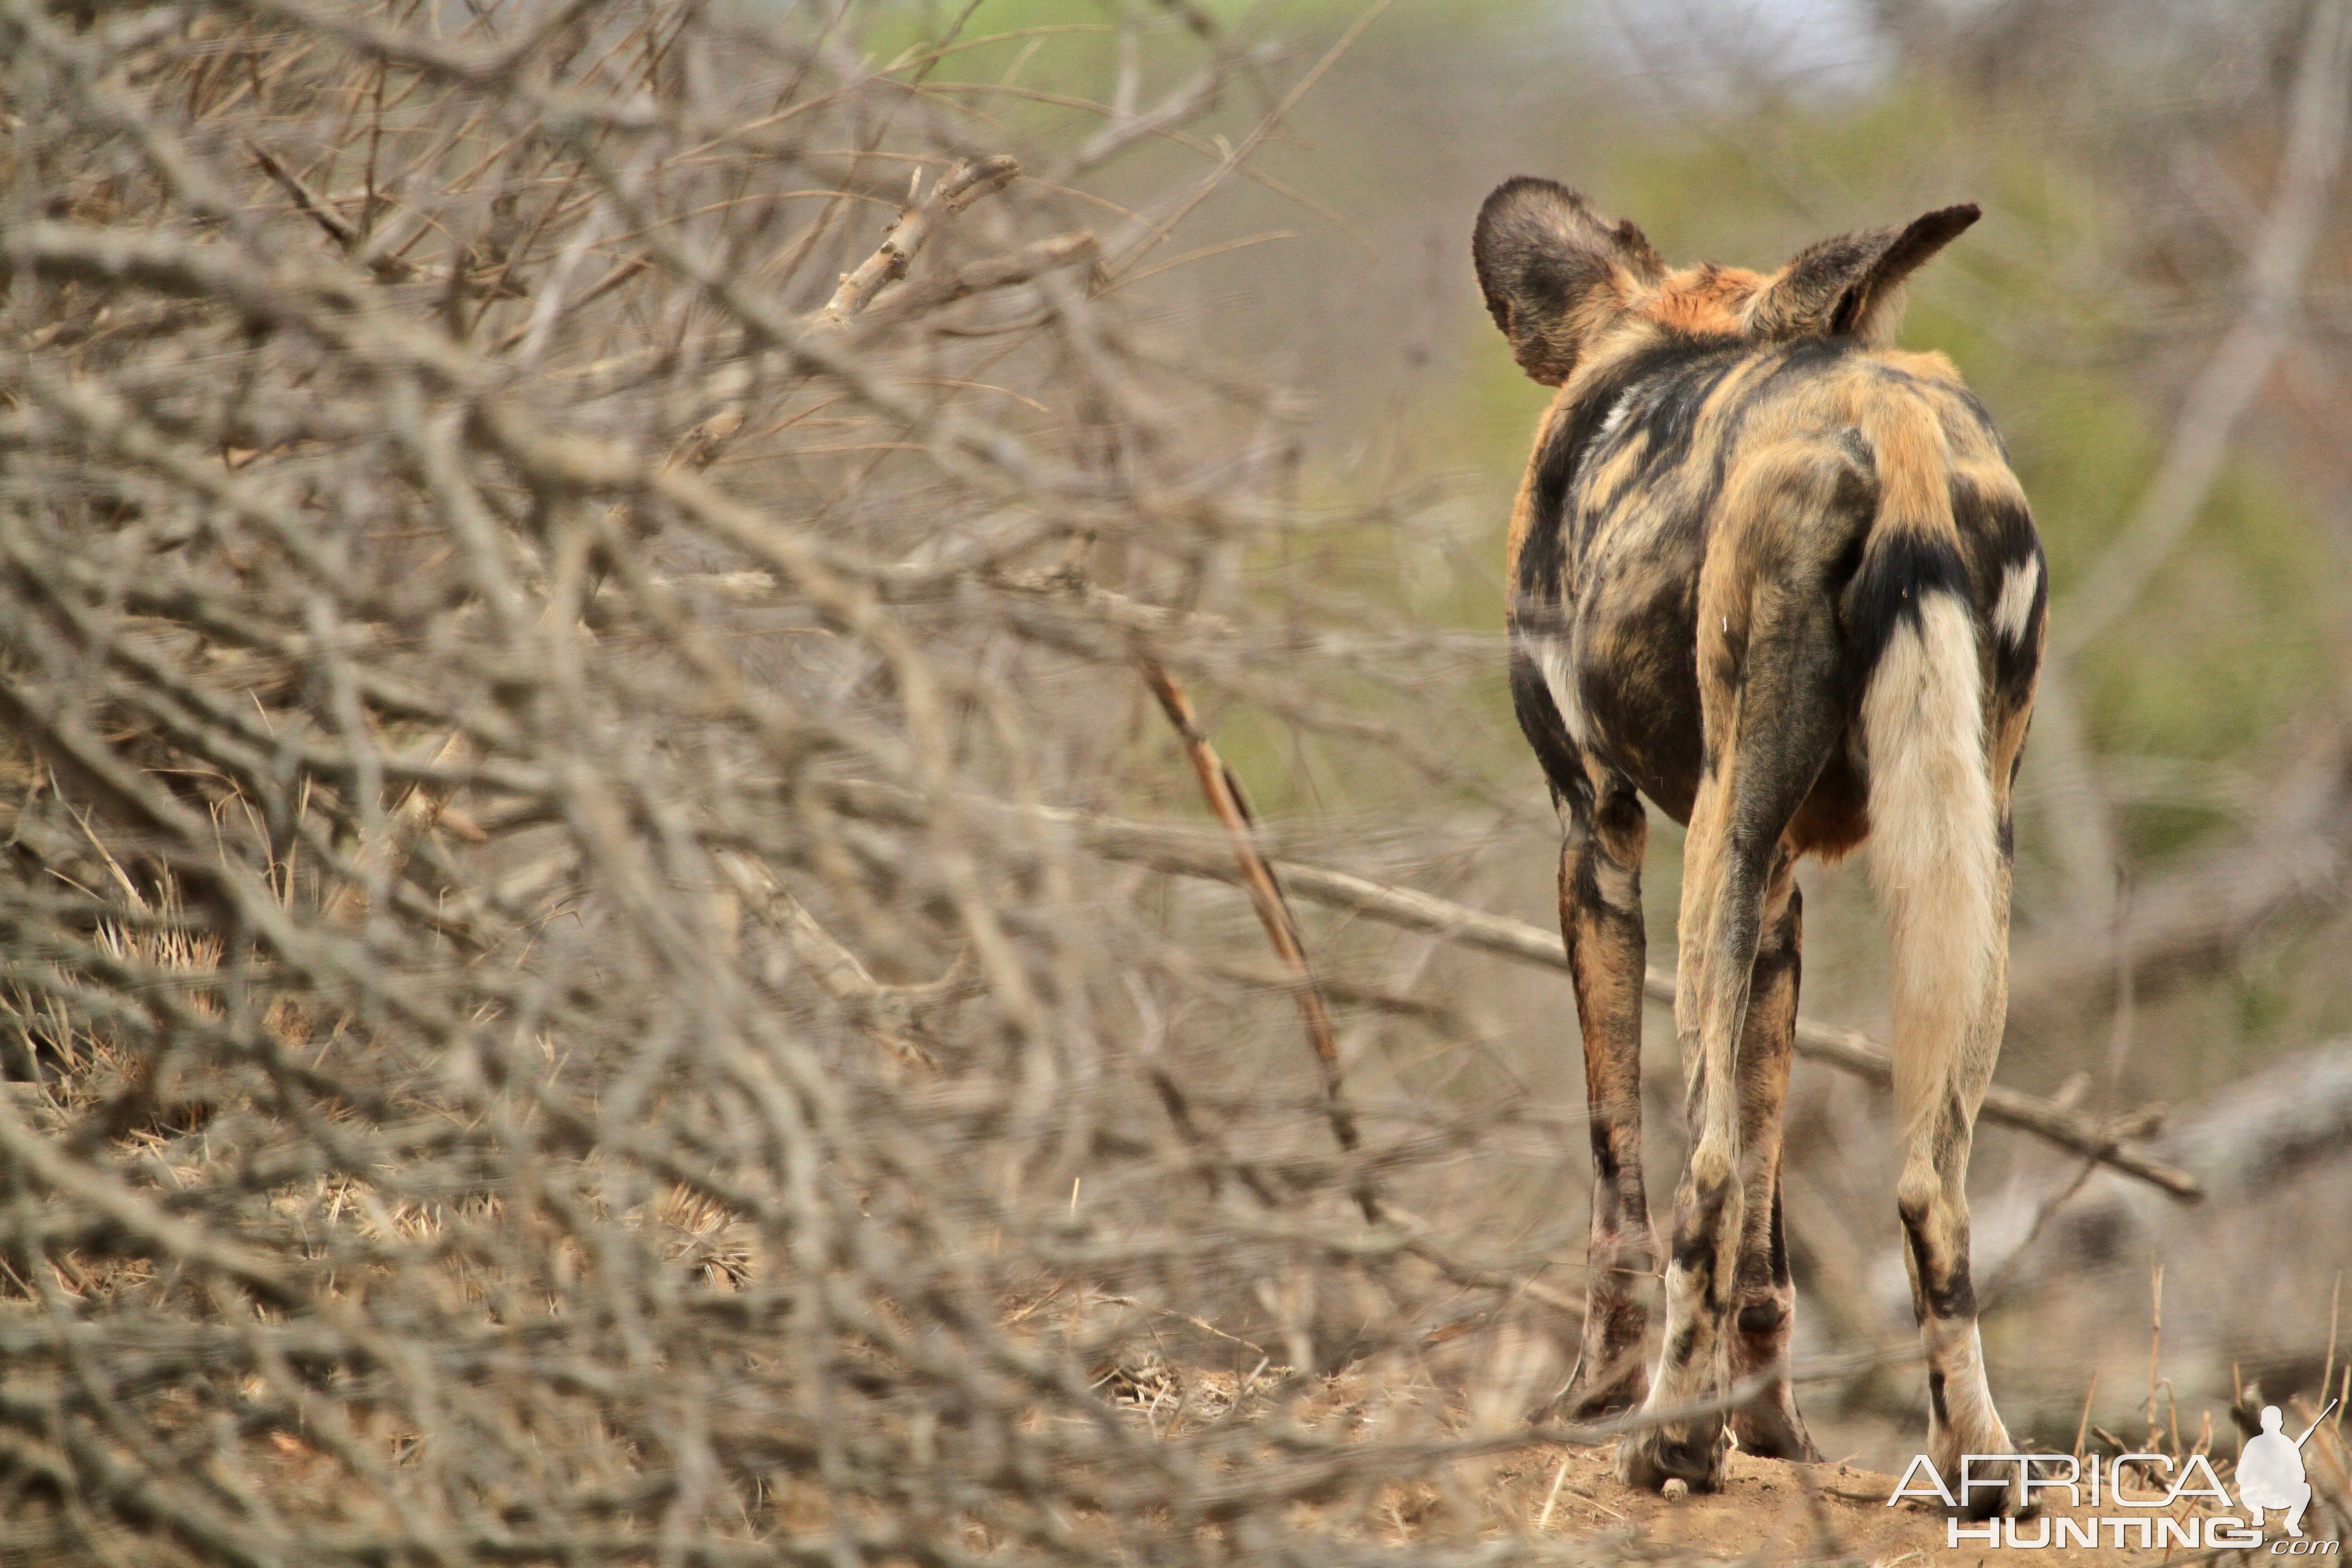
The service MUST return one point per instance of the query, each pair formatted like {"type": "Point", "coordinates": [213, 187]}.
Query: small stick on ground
{"type": "Point", "coordinates": [1551, 1497]}
{"type": "Point", "coordinates": [2334, 1301]}
{"type": "Point", "coordinates": [2155, 1339]}
{"type": "Point", "coordinates": [2082, 1430]}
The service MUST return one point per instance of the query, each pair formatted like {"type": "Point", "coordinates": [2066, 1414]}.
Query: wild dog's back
{"type": "Point", "coordinates": [1655, 461]}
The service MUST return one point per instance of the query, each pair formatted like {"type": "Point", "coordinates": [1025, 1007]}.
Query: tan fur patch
{"type": "Point", "coordinates": [1703, 301]}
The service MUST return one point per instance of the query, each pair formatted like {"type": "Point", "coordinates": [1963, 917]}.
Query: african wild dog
{"type": "Point", "coordinates": [1777, 576]}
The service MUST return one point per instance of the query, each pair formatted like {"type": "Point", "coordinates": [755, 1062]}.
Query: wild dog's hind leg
{"type": "Point", "coordinates": [1764, 1301]}
{"type": "Point", "coordinates": [1600, 918]}
{"type": "Point", "coordinates": [1932, 1197]}
{"type": "Point", "coordinates": [1769, 685]}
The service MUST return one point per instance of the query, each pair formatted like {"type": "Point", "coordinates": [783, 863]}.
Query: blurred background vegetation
{"type": "Point", "coordinates": [2179, 911]}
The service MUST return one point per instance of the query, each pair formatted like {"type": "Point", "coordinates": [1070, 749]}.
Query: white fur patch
{"type": "Point", "coordinates": [1560, 678]}
{"type": "Point", "coordinates": [1934, 861]}
{"type": "Point", "coordinates": [1616, 416]}
{"type": "Point", "coordinates": [1971, 1425]}
{"type": "Point", "coordinates": [2014, 608]}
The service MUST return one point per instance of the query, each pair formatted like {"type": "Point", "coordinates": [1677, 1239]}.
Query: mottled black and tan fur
{"type": "Point", "coordinates": [1776, 576]}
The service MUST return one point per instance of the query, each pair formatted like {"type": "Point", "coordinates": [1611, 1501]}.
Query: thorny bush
{"type": "Point", "coordinates": [567, 996]}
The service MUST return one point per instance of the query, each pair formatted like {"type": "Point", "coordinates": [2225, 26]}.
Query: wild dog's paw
{"type": "Point", "coordinates": [1593, 1395]}
{"type": "Point", "coordinates": [1993, 1492]}
{"type": "Point", "coordinates": [1694, 1457]}
{"type": "Point", "coordinates": [1770, 1428]}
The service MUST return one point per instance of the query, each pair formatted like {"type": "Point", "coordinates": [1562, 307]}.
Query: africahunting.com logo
{"type": "Point", "coordinates": [2270, 1480]}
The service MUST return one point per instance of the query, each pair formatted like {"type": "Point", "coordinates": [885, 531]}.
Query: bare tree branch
{"type": "Point", "coordinates": [2189, 920]}
{"type": "Point", "coordinates": [1230, 804]}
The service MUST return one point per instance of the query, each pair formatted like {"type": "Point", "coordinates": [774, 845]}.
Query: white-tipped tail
{"type": "Point", "coordinates": [1934, 859]}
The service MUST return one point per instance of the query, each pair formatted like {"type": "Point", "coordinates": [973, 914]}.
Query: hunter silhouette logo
{"type": "Point", "coordinates": [2270, 1479]}
{"type": "Point", "coordinates": [2270, 1471]}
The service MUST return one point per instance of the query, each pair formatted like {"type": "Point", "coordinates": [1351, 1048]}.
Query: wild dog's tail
{"type": "Point", "coordinates": [1933, 855]}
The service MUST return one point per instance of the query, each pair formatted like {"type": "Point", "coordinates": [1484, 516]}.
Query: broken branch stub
{"type": "Point", "coordinates": [958, 189]}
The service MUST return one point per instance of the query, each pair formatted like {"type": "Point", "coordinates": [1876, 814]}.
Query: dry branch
{"type": "Point", "coordinates": [2193, 919]}
{"type": "Point", "coordinates": [1182, 854]}
{"type": "Point", "coordinates": [1230, 806]}
{"type": "Point", "coordinates": [470, 490]}
{"type": "Point", "coordinates": [1845, 1048]}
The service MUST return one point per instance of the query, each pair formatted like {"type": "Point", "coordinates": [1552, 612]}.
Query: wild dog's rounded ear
{"type": "Point", "coordinates": [1852, 285]}
{"type": "Point", "coordinates": [1553, 270]}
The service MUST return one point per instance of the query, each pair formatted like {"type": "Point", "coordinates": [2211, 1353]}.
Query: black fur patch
{"type": "Point", "coordinates": [1604, 1154]}
{"type": "Point", "coordinates": [1622, 816]}
{"type": "Point", "coordinates": [1957, 1299]}
{"type": "Point", "coordinates": [1695, 1242]}
{"type": "Point", "coordinates": [1774, 960]}
{"type": "Point", "coordinates": [1780, 1240]}
{"type": "Point", "coordinates": [1997, 532]}
{"type": "Point", "coordinates": [1665, 415]}
{"type": "Point", "coordinates": [1585, 883]}
{"type": "Point", "coordinates": [1645, 715]}
{"type": "Point", "coordinates": [1695, 1249]}
{"type": "Point", "coordinates": [1664, 407]}
{"type": "Point", "coordinates": [1898, 571]}
{"type": "Point", "coordinates": [1997, 524]}
{"type": "Point", "coordinates": [1952, 1296]}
